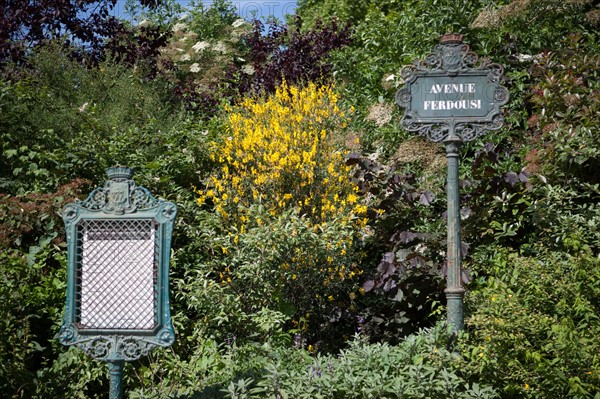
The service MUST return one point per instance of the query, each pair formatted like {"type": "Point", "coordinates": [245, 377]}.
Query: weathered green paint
{"type": "Point", "coordinates": [451, 97]}
{"type": "Point", "coordinates": [119, 242]}
{"type": "Point", "coordinates": [454, 289]}
{"type": "Point", "coordinates": [115, 371]}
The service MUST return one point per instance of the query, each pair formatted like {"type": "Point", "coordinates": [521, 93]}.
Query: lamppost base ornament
{"type": "Point", "coordinates": [454, 305]}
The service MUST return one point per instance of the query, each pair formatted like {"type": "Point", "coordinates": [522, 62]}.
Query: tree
{"type": "Point", "coordinates": [88, 24]}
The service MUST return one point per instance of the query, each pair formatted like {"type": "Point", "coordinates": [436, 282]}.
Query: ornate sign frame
{"type": "Point", "coordinates": [452, 63]}
{"type": "Point", "coordinates": [108, 251]}
{"type": "Point", "coordinates": [452, 97]}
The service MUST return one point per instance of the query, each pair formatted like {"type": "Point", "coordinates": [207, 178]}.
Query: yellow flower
{"type": "Point", "coordinates": [526, 386]}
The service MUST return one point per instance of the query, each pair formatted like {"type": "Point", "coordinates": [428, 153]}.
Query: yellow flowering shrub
{"type": "Point", "coordinates": [289, 216]}
{"type": "Point", "coordinates": [281, 153]}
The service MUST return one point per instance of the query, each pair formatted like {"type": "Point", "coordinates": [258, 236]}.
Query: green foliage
{"type": "Point", "coordinates": [31, 298]}
{"type": "Point", "coordinates": [61, 120]}
{"type": "Point", "coordinates": [534, 324]}
{"type": "Point", "coordinates": [530, 27]}
{"type": "Point", "coordinates": [385, 40]}
{"type": "Point", "coordinates": [262, 311]}
{"type": "Point", "coordinates": [403, 290]}
{"type": "Point", "coordinates": [419, 367]}
{"type": "Point", "coordinates": [277, 278]}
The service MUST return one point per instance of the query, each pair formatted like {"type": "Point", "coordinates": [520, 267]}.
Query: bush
{"type": "Point", "coordinates": [61, 120]}
{"type": "Point", "coordinates": [419, 367]}
{"type": "Point", "coordinates": [534, 323]}
{"type": "Point", "coordinates": [288, 218]}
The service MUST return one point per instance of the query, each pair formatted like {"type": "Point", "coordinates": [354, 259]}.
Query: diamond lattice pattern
{"type": "Point", "coordinates": [117, 269]}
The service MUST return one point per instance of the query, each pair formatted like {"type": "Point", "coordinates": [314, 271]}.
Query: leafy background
{"type": "Point", "coordinates": [308, 255]}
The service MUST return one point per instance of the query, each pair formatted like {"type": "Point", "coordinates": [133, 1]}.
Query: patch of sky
{"type": "Point", "coordinates": [247, 9]}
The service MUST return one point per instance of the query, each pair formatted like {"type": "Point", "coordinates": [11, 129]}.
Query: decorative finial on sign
{"type": "Point", "coordinates": [451, 38]}
{"type": "Point", "coordinates": [119, 173]}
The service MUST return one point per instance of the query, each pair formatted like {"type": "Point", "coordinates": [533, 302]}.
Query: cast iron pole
{"type": "Point", "coordinates": [454, 289]}
{"type": "Point", "coordinates": [115, 370]}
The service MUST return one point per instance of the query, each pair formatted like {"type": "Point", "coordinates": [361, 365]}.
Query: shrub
{"type": "Point", "coordinates": [419, 367]}
{"type": "Point", "coordinates": [282, 153]}
{"type": "Point", "coordinates": [289, 218]}
{"type": "Point", "coordinates": [60, 120]}
{"type": "Point", "coordinates": [534, 323]}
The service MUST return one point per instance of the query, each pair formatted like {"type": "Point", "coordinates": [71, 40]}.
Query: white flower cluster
{"type": "Point", "coordinates": [220, 47]}
{"type": "Point", "coordinates": [195, 67]}
{"type": "Point", "coordinates": [200, 46]}
{"type": "Point", "coordinates": [179, 27]}
{"type": "Point", "coordinates": [238, 22]}
{"type": "Point", "coordinates": [248, 69]}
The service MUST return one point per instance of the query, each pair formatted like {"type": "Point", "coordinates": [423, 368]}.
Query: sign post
{"type": "Point", "coordinates": [117, 306]}
{"type": "Point", "coordinates": [451, 97]}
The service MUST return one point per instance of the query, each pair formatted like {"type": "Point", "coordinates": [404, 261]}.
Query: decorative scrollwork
{"type": "Point", "coordinates": [501, 95]}
{"type": "Point", "coordinates": [449, 56]}
{"type": "Point", "coordinates": [403, 97]}
{"type": "Point", "coordinates": [408, 73]}
{"type": "Point", "coordinates": [96, 200]}
{"type": "Point", "coordinates": [495, 72]}
{"type": "Point", "coordinates": [142, 199]}
{"type": "Point", "coordinates": [96, 347]}
{"type": "Point", "coordinates": [450, 82]}
{"type": "Point", "coordinates": [70, 212]}
{"type": "Point", "coordinates": [166, 336]}
{"type": "Point", "coordinates": [432, 61]}
{"type": "Point", "coordinates": [470, 59]}
{"type": "Point", "coordinates": [132, 349]}
{"type": "Point", "coordinates": [434, 132]}
{"type": "Point", "coordinates": [66, 334]}
{"type": "Point", "coordinates": [117, 347]}
{"type": "Point", "coordinates": [119, 195]}
{"type": "Point", "coordinates": [169, 210]}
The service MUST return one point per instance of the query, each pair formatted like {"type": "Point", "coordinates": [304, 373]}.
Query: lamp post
{"type": "Point", "coordinates": [117, 306]}
{"type": "Point", "coordinates": [452, 97]}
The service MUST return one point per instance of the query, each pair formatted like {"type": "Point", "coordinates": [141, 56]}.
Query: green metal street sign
{"type": "Point", "coordinates": [452, 97]}
{"type": "Point", "coordinates": [119, 242]}
{"type": "Point", "coordinates": [463, 97]}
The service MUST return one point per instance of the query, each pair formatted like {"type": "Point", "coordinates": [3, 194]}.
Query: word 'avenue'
{"type": "Point", "coordinates": [452, 88]}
